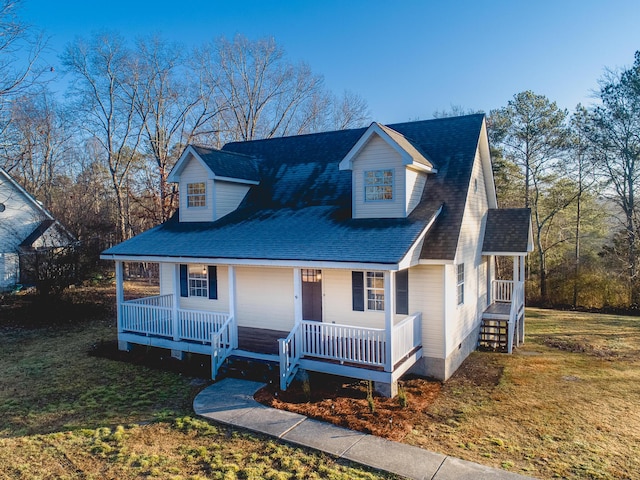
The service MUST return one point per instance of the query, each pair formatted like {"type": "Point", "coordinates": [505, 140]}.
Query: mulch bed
{"type": "Point", "coordinates": [344, 402]}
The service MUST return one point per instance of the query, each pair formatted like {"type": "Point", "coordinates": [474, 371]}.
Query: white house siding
{"type": "Point", "coordinates": [265, 297]}
{"type": "Point", "coordinates": [337, 303]}
{"type": "Point", "coordinates": [467, 317]}
{"type": "Point", "coordinates": [378, 155]}
{"type": "Point", "coordinates": [18, 220]}
{"type": "Point", "coordinates": [228, 196]}
{"type": "Point", "coordinates": [415, 186]}
{"type": "Point", "coordinates": [194, 172]}
{"type": "Point", "coordinates": [426, 295]}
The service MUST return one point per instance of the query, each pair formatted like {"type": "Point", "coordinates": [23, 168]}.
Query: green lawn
{"type": "Point", "coordinates": [66, 414]}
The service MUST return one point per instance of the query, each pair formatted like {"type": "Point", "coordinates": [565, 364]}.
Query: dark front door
{"type": "Point", "coordinates": [312, 295]}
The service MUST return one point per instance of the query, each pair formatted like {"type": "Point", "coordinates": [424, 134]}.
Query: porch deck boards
{"type": "Point", "coordinates": [498, 308]}
{"type": "Point", "coordinates": [260, 340]}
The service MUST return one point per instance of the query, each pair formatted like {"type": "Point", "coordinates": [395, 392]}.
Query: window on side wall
{"type": "Point", "coordinates": [378, 185]}
{"type": "Point", "coordinates": [460, 283]}
{"type": "Point", "coordinates": [196, 195]}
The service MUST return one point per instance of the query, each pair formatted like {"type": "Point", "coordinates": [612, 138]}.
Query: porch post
{"type": "Point", "coordinates": [516, 274]}
{"type": "Point", "coordinates": [490, 276]}
{"type": "Point", "coordinates": [122, 345]}
{"type": "Point", "coordinates": [119, 293]}
{"type": "Point", "coordinates": [175, 321]}
{"type": "Point", "coordinates": [297, 296]}
{"type": "Point", "coordinates": [232, 303]}
{"type": "Point", "coordinates": [175, 324]}
{"type": "Point", "coordinates": [521, 334]}
{"type": "Point", "coordinates": [389, 303]}
{"type": "Point", "coordinates": [389, 389]}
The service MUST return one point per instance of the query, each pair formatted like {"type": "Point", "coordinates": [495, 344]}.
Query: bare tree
{"type": "Point", "coordinates": [173, 109]}
{"type": "Point", "coordinates": [43, 139]}
{"type": "Point", "coordinates": [20, 48]}
{"type": "Point", "coordinates": [615, 134]}
{"type": "Point", "coordinates": [105, 84]}
{"type": "Point", "coordinates": [263, 93]}
{"type": "Point", "coordinates": [19, 52]}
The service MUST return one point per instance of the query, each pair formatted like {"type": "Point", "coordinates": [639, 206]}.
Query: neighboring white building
{"type": "Point", "coordinates": [25, 225]}
{"type": "Point", "coordinates": [365, 253]}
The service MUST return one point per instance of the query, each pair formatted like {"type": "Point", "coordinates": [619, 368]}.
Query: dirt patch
{"type": "Point", "coordinates": [578, 346]}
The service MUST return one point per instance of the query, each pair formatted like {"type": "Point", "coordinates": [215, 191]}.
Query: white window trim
{"type": "Point", "coordinates": [191, 196]}
{"type": "Point", "coordinates": [197, 281]}
{"type": "Point", "coordinates": [392, 185]}
{"type": "Point", "coordinates": [377, 291]}
{"type": "Point", "coordinates": [460, 284]}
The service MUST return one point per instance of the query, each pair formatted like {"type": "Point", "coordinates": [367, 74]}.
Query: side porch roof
{"type": "Point", "coordinates": [508, 232]}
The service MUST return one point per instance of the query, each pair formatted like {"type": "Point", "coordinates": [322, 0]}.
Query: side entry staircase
{"type": "Point", "coordinates": [502, 325]}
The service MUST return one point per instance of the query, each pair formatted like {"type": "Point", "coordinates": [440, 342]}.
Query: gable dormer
{"type": "Point", "coordinates": [388, 174]}
{"type": "Point", "coordinates": [212, 183]}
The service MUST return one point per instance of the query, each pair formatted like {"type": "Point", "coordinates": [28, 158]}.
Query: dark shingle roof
{"type": "Point", "coordinates": [507, 231]}
{"type": "Point", "coordinates": [228, 164]}
{"type": "Point", "coordinates": [301, 210]}
{"type": "Point", "coordinates": [64, 237]}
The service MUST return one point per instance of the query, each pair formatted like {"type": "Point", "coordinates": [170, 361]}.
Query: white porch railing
{"type": "Point", "coordinates": [223, 341]}
{"type": "Point", "coordinates": [407, 335]}
{"type": "Point", "coordinates": [198, 326]}
{"type": "Point", "coordinates": [516, 313]}
{"type": "Point", "coordinates": [344, 343]}
{"type": "Point", "coordinates": [148, 316]}
{"type": "Point", "coordinates": [502, 290]}
{"type": "Point", "coordinates": [359, 346]}
{"type": "Point", "coordinates": [153, 316]}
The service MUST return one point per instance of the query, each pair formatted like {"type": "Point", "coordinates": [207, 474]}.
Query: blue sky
{"type": "Point", "coordinates": [406, 58]}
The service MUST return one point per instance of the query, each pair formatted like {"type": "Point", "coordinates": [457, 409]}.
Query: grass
{"type": "Point", "coordinates": [67, 414]}
{"type": "Point", "coordinates": [566, 404]}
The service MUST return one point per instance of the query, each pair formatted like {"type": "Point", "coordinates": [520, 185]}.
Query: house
{"type": "Point", "coordinates": [365, 253]}
{"type": "Point", "coordinates": [26, 227]}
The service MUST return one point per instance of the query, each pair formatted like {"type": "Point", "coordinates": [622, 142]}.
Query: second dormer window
{"type": "Point", "coordinates": [378, 185]}
{"type": "Point", "coordinates": [196, 195]}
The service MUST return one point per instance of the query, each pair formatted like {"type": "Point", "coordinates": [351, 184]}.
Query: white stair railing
{"type": "Point", "coordinates": [517, 307]}
{"type": "Point", "coordinates": [290, 350]}
{"type": "Point", "coordinates": [222, 344]}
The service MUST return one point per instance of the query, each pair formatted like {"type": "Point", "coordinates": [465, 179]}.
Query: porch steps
{"type": "Point", "coordinates": [254, 369]}
{"type": "Point", "coordinates": [494, 335]}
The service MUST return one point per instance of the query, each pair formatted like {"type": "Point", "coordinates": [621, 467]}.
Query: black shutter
{"type": "Point", "coordinates": [184, 281]}
{"type": "Point", "coordinates": [402, 292]}
{"type": "Point", "coordinates": [357, 290]}
{"type": "Point", "coordinates": [213, 282]}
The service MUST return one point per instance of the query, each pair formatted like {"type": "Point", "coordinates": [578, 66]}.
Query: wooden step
{"type": "Point", "coordinates": [494, 335]}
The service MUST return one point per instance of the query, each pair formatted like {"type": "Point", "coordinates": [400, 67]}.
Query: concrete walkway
{"type": "Point", "coordinates": [231, 401]}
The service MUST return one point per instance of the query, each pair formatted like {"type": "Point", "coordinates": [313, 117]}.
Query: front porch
{"type": "Point", "coordinates": [378, 354]}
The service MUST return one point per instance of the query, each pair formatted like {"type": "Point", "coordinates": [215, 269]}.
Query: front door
{"type": "Point", "coordinates": [311, 294]}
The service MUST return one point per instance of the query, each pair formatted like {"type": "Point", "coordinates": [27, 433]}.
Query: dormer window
{"type": "Point", "coordinates": [378, 185]}
{"type": "Point", "coordinates": [196, 195]}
